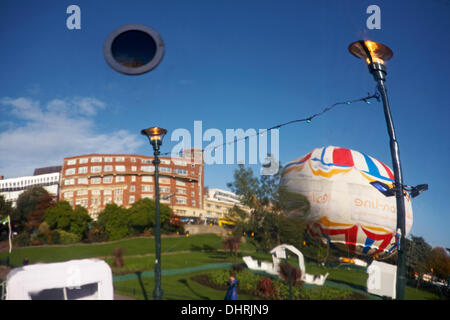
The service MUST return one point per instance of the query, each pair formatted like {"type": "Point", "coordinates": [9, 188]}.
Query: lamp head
{"type": "Point", "coordinates": [375, 54]}
{"type": "Point", "coordinates": [155, 135]}
{"type": "Point", "coordinates": [418, 190]}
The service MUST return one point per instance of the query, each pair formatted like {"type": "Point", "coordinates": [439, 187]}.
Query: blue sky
{"type": "Point", "coordinates": [231, 64]}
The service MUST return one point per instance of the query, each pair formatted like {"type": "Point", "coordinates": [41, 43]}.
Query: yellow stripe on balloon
{"type": "Point", "coordinates": [324, 221]}
{"type": "Point", "coordinates": [377, 229]}
{"type": "Point", "coordinates": [390, 185]}
{"type": "Point", "coordinates": [328, 174]}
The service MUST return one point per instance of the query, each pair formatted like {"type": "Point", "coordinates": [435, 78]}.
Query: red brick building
{"type": "Point", "coordinates": [94, 180]}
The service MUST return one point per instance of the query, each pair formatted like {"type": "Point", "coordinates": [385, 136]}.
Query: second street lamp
{"type": "Point", "coordinates": [375, 54]}
{"type": "Point", "coordinates": [155, 136]}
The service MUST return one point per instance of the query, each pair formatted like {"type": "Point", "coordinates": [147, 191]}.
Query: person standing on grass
{"type": "Point", "coordinates": [232, 288]}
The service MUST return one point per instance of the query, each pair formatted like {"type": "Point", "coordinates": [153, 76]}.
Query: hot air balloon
{"type": "Point", "coordinates": [346, 209]}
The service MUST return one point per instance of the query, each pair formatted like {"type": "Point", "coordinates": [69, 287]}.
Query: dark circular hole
{"type": "Point", "coordinates": [133, 48]}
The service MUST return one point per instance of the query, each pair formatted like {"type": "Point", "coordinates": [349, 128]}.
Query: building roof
{"type": "Point", "coordinates": [45, 170]}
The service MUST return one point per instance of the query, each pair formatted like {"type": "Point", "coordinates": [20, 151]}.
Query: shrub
{"type": "Point", "coordinates": [67, 237]}
{"type": "Point", "coordinates": [54, 237]}
{"type": "Point", "coordinates": [232, 244]}
{"type": "Point", "coordinates": [265, 287]}
{"type": "Point", "coordinates": [118, 257]}
{"type": "Point", "coordinates": [22, 240]}
{"type": "Point", "coordinates": [292, 273]}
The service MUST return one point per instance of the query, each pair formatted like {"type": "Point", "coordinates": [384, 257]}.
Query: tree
{"type": "Point", "coordinates": [266, 220]}
{"type": "Point", "coordinates": [6, 210]}
{"type": "Point", "coordinates": [115, 221]}
{"type": "Point", "coordinates": [26, 203]}
{"type": "Point", "coordinates": [143, 214]}
{"type": "Point", "coordinates": [36, 216]}
{"type": "Point", "coordinates": [417, 252]}
{"type": "Point", "coordinates": [62, 217]}
{"type": "Point", "coordinates": [439, 262]}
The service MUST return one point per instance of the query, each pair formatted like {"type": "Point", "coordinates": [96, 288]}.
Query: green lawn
{"type": "Point", "coordinates": [179, 254]}
{"type": "Point", "coordinates": [134, 246]}
{"type": "Point", "coordinates": [176, 287]}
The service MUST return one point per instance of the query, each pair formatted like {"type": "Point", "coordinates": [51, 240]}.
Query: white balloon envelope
{"type": "Point", "coordinates": [347, 211]}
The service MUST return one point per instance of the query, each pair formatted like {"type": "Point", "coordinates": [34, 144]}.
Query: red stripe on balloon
{"type": "Point", "coordinates": [377, 237]}
{"type": "Point", "coordinates": [343, 157]}
{"type": "Point", "coordinates": [350, 235]}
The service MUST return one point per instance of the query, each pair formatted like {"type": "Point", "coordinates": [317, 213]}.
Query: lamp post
{"type": "Point", "coordinates": [375, 54]}
{"type": "Point", "coordinates": [155, 136]}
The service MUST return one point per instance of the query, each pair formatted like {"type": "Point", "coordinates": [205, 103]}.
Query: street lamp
{"type": "Point", "coordinates": [375, 54]}
{"type": "Point", "coordinates": [155, 135]}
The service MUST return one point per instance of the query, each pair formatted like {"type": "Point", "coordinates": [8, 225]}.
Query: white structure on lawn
{"type": "Point", "coordinates": [279, 253]}
{"type": "Point", "coordinates": [87, 279]}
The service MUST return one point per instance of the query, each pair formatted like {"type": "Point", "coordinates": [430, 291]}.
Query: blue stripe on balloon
{"type": "Point", "coordinates": [373, 170]}
{"type": "Point", "coordinates": [368, 245]}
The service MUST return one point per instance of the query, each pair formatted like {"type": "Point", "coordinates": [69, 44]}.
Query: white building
{"type": "Point", "coordinates": [222, 196]}
{"type": "Point", "coordinates": [12, 188]}
{"type": "Point", "coordinates": [218, 202]}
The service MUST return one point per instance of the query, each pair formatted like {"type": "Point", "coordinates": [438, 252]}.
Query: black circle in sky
{"type": "Point", "coordinates": [133, 48]}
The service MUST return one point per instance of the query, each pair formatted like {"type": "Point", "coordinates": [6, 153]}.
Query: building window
{"type": "Point", "coordinates": [133, 159]}
{"type": "Point", "coordinates": [181, 191]}
{"type": "Point", "coordinates": [148, 168]}
{"type": "Point", "coordinates": [147, 179]}
{"type": "Point", "coordinates": [108, 179]}
{"type": "Point", "coordinates": [95, 201]}
{"type": "Point", "coordinates": [147, 188]}
{"type": "Point", "coordinates": [71, 162]}
{"type": "Point", "coordinates": [194, 203]}
{"type": "Point", "coordinates": [164, 169]}
{"type": "Point", "coordinates": [69, 182]}
{"type": "Point", "coordinates": [133, 168]}
{"type": "Point", "coordinates": [180, 171]}
{"type": "Point", "coordinates": [107, 200]}
{"type": "Point", "coordinates": [180, 183]}
{"type": "Point", "coordinates": [164, 189]}
{"type": "Point", "coordinates": [146, 161]}
{"type": "Point", "coordinates": [96, 180]}
{"type": "Point", "coordinates": [120, 159]}
{"type": "Point", "coordinates": [131, 199]}
{"type": "Point", "coordinates": [120, 168]}
{"type": "Point", "coordinates": [84, 160]}
{"type": "Point", "coordinates": [164, 180]}
{"type": "Point", "coordinates": [82, 202]}
{"type": "Point", "coordinates": [68, 194]}
{"type": "Point", "coordinates": [120, 179]}
{"type": "Point", "coordinates": [83, 170]}
{"type": "Point", "coordinates": [70, 171]}
{"type": "Point", "coordinates": [181, 200]}
{"type": "Point", "coordinates": [132, 188]}
{"type": "Point", "coordinates": [165, 161]}
{"type": "Point", "coordinates": [147, 196]}
{"type": "Point", "coordinates": [96, 159]}
{"type": "Point", "coordinates": [133, 178]}
{"type": "Point", "coordinates": [107, 192]}
{"type": "Point", "coordinates": [82, 180]}
{"type": "Point", "coordinates": [108, 168]}
{"type": "Point", "coordinates": [108, 159]}
{"type": "Point", "coordinates": [82, 192]}
{"type": "Point", "coordinates": [96, 169]}
{"type": "Point", "coordinates": [95, 192]}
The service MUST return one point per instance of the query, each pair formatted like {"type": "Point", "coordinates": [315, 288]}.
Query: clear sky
{"type": "Point", "coordinates": [230, 64]}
